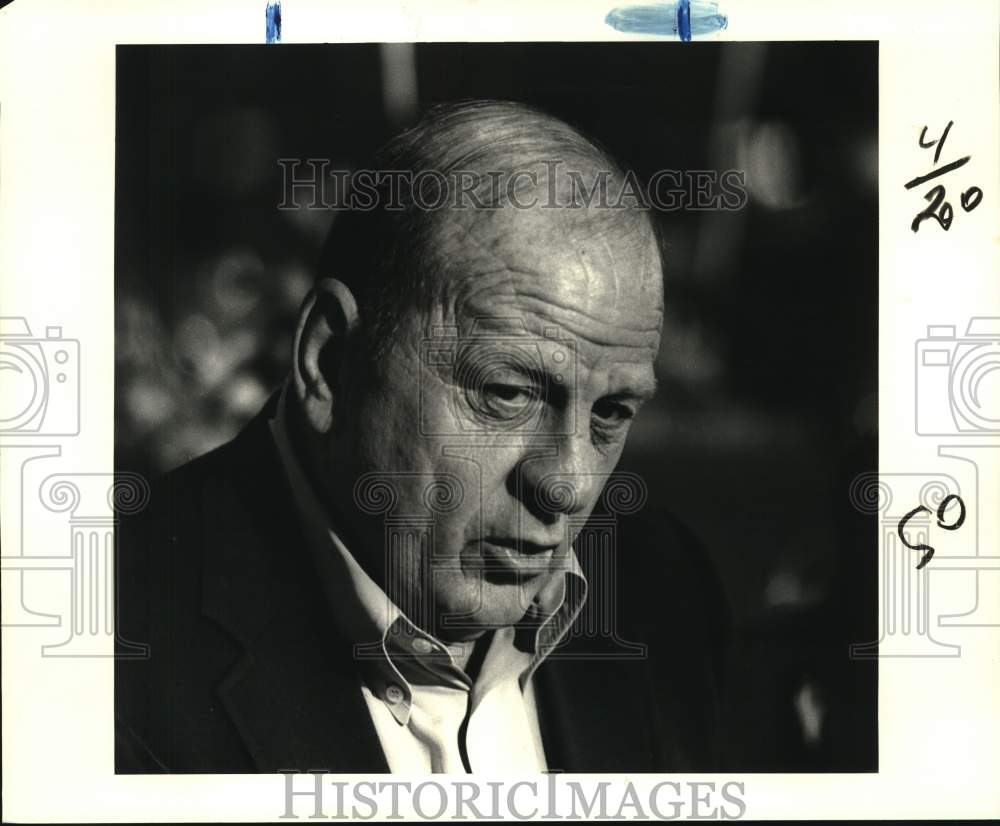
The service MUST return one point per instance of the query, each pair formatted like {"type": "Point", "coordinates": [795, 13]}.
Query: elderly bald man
{"type": "Point", "coordinates": [379, 573]}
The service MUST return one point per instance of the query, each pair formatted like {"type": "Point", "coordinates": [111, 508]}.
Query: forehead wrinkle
{"type": "Point", "coordinates": [486, 287]}
{"type": "Point", "coordinates": [501, 255]}
{"type": "Point", "coordinates": [580, 323]}
{"type": "Point", "coordinates": [502, 288]}
{"type": "Point", "coordinates": [537, 313]}
{"type": "Point", "coordinates": [460, 229]}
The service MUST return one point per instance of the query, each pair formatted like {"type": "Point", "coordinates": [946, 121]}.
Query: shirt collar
{"type": "Point", "coordinates": [392, 652]}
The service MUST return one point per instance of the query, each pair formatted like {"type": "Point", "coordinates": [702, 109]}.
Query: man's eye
{"type": "Point", "coordinates": [613, 414]}
{"type": "Point", "coordinates": [502, 401]}
{"type": "Point", "coordinates": [507, 393]}
{"type": "Point", "coordinates": [503, 397]}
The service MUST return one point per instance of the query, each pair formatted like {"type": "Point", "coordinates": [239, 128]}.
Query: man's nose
{"type": "Point", "coordinates": [560, 477]}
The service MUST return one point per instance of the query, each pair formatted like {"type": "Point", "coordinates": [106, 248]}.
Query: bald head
{"type": "Point", "coordinates": [475, 173]}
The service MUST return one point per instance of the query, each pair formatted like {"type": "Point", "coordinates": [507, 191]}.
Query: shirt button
{"type": "Point", "coordinates": [422, 646]}
{"type": "Point", "coordinates": [394, 694]}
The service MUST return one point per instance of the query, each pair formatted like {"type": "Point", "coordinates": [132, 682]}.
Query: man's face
{"type": "Point", "coordinates": [500, 412]}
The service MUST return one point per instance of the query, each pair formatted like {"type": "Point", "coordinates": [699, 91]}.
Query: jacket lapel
{"type": "Point", "coordinates": [299, 707]}
{"type": "Point", "coordinates": [602, 711]}
{"type": "Point", "coordinates": [595, 712]}
{"type": "Point", "coordinates": [295, 694]}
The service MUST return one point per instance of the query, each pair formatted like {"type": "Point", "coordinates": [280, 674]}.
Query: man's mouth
{"type": "Point", "coordinates": [522, 556]}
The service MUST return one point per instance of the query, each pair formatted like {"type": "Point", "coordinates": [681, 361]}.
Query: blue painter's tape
{"type": "Point", "coordinates": [272, 33]}
{"type": "Point", "coordinates": [684, 19]}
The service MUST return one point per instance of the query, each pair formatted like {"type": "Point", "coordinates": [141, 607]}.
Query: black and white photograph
{"type": "Point", "coordinates": [553, 410]}
{"type": "Point", "coordinates": [501, 401]}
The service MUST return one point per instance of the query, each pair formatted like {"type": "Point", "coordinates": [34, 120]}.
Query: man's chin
{"type": "Point", "coordinates": [502, 605]}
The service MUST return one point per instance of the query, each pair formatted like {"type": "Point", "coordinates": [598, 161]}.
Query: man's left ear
{"type": "Point", "coordinates": [326, 332]}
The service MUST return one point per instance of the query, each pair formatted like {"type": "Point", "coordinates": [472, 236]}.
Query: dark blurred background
{"type": "Point", "coordinates": [769, 356]}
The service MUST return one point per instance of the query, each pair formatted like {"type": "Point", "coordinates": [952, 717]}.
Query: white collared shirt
{"type": "Point", "coordinates": [428, 714]}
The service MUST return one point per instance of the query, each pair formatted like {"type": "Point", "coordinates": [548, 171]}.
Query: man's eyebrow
{"type": "Point", "coordinates": [643, 390]}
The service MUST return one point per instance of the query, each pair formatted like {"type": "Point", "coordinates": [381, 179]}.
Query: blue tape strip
{"type": "Point", "coordinates": [272, 33]}
{"type": "Point", "coordinates": [685, 19]}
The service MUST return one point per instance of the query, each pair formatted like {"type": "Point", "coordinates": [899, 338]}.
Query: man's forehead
{"type": "Point", "coordinates": [546, 277]}
{"type": "Point", "coordinates": [591, 257]}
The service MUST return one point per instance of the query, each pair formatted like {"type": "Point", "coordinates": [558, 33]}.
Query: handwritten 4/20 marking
{"type": "Point", "coordinates": [938, 208]}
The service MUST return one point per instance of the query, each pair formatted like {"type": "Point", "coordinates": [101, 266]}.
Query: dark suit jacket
{"type": "Point", "coordinates": [246, 672]}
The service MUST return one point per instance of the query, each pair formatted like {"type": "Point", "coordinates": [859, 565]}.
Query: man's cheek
{"type": "Point", "coordinates": [456, 590]}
